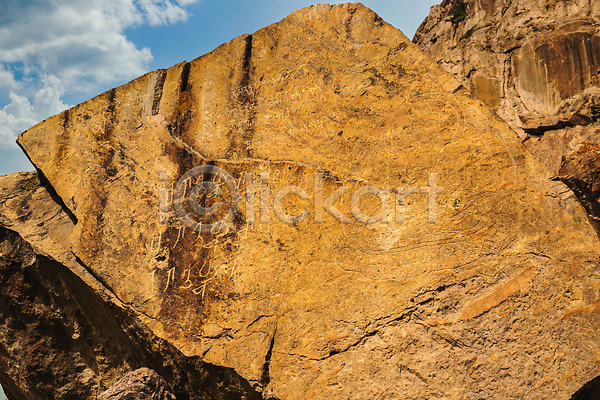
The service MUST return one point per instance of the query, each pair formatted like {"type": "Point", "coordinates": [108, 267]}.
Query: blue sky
{"type": "Point", "coordinates": [58, 53]}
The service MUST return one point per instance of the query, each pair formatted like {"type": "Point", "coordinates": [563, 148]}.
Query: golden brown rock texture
{"type": "Point", "coordinates": [476, 278]}
{"type": "Point", "coordinates": [537, 63]}
{"type": "Point", "coordinates": [63, 335]}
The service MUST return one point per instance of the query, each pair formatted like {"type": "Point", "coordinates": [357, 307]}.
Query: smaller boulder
{"type": "Point", "coordinates": [141, 384]}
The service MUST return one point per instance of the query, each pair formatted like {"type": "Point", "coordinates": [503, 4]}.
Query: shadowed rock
{"type": "Point", "coordinates": [63, 335]}
{"type": "Point", "coordinates": [537, 63]}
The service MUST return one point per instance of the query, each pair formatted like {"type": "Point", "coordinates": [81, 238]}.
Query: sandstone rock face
{"type": "Point", "coordinates": [63, 335]}
{"type": "Point", "coordinates": [321, 209]}
{"type": "Point", "coordinates": [537, 63]}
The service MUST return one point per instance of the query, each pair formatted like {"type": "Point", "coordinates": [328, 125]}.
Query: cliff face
{"type": "Point", "coordinates": [315, 210]}
{"type": "Point", "coordinates": [537, 63]}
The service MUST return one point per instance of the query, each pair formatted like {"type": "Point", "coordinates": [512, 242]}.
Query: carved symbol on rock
{"type": "Point", "coordinates": [195, 212]}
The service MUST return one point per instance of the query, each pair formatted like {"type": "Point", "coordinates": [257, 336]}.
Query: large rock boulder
{"type": "Point", "coordinates": [537, 63]}
{"type": "Point", "coordinates": [321, 209]}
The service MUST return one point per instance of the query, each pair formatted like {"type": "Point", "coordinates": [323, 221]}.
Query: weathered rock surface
{"type": "Point", "coordinates": [63, 335]}
{"type": "Point", "coordinates": [141, 384]}
{"type": "Point", "coordinates": [537, 63]}
{"type": "Point", "coordinates": [480, 282]}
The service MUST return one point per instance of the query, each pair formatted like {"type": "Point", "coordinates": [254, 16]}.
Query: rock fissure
{"type": "Point", "coordinates": [265, 378]}
{"type": "Point", "coordinates": [158, 91]}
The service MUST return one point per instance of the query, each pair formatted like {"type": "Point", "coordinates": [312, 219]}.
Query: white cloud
{"type": "Point", "coordinates": [7, 79]}
{"type": "Point", "coordinates": [75, 40]}
{"type": "Point", "coordinates": [184, 3]}
{"type": "Point", "coordinates": [69, 46]}
{"type": "Point", "coordinates": [46, 101]}
{"type": "Point", "coordinates": [164, 12]}
{"type": "Point", "coordinates": [21, 113]}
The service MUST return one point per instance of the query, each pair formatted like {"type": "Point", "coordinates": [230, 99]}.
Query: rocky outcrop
{"type": "Point", "coordinates": [63, 335]}
{"type": "Point", "coordinates": [141, 384]}
{"type": "Point", "coordinates": [316, 210]}
{"type": "Point", "coordinates": [537, 63]}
